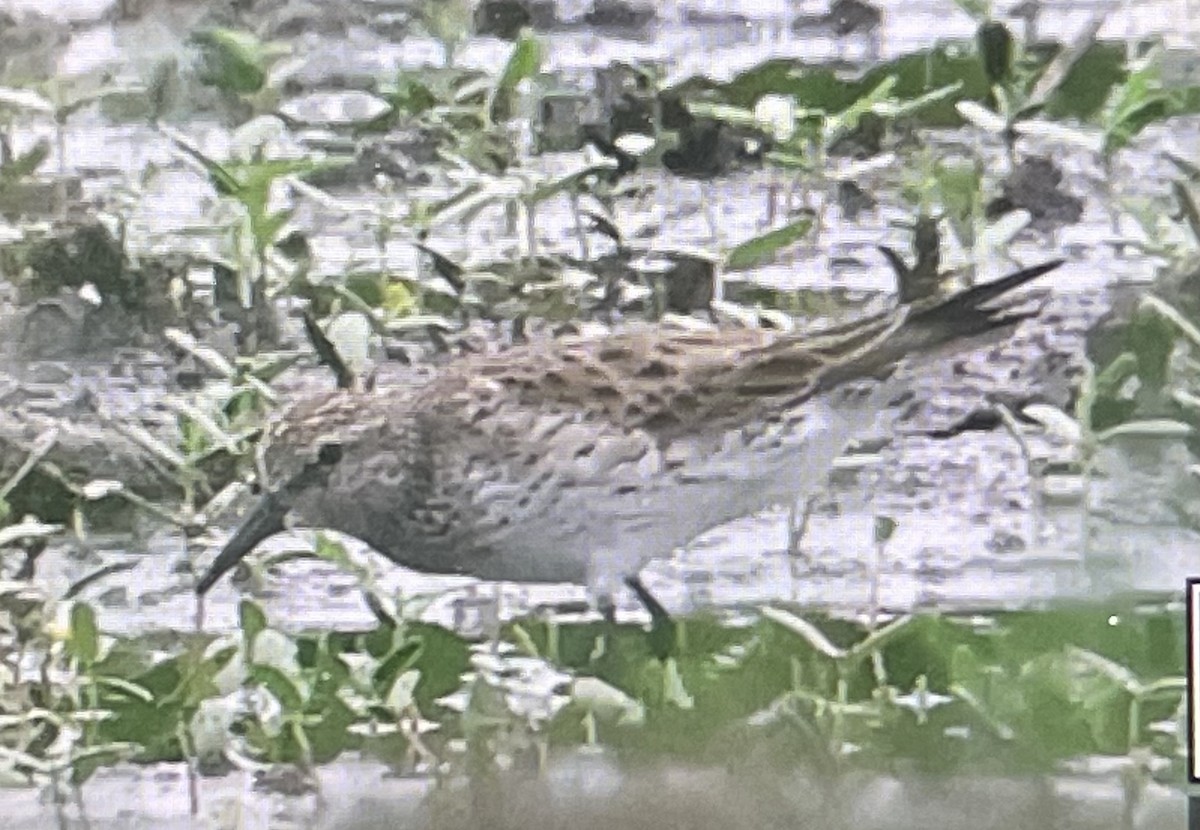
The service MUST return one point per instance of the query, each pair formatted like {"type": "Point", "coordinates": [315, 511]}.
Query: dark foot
{"type": "Point", "coordinates": [607, 608]}
{"type": "Point", "coordinates": [657, 612]}
{"type": "Point", "coordinates": [663, 638]}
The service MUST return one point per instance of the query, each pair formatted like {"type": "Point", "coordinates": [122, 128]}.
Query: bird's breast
{"type": "Point", "coordinates": [538, 496]}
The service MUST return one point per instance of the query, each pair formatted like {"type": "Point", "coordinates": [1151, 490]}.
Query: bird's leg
{"type": "Point", "coordinates": [493, 619]}
{"type": "Point", "coordinates": [607, 608]}
{"type": "Point", "coordinates": [799, 561]}
{"type": "Point", "coordinates": [663, 638]}
{"type": "Point", "coordinates": [606, 573]}
{"type": "Point", "coordinates": [477, 612]}
{"type": "Point", "coordinates": [612, 568]}
{"type": "Point", "coordinates": [798, 518]}
{"type": "Point", "coordinates": [610, 573]}
{"type": "Point", "coordinates": [657, 612]}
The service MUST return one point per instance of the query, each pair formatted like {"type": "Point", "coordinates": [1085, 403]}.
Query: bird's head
{"type": "Point", "coordinates": [303, 464]}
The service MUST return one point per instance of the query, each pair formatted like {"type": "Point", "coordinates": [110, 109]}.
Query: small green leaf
{"type": "Point", "coordinates": [335, 553]}
{"type": "Point", "coordinates": [848, 119]}
{"type": "Point", "coordinates": [982, 117]}
{"type": "Point", "coordinates": [1150, 428]}
{"type": "Point", "coordinates": [1169, 312]}
{"type": "Point", "coordinates": [251, 619]}
{"type": "Point", "coordinates": [976, 9]}
{"type": "Point", "coordinates": [1110, 669]}
{"type": "Point", "coordinates": [879, 639]}
{"type": "Point", "coordinates": [1115, 375]}
{"type": "Point", "coordinates": [84, 639]}
{"type": "Point", "coordinates": [446, 20]}
{"type": "Point", "coordinates": [278, 684]}
{"type": "Point", "coordinates": [1085, 138]}
{"type": "Point", "coordinates": [235, 61]}
{"type": "Point", "coordinates": [1151, 337]}
{"type": "Point", "coordinates": [674, 690]}
{"type": "Point", "coordinates": [995, 44]}
{"type": "Point", "coordinates": [524, 642]}
{"type": "Point", "coordinates": [411, 96]}
{"type": "Point", "coordinates": [400, 696]}
{"type": "Point", "coordinates": [607, 702]}
{"type": "Point", "coordinates": [760, 250]}
{"type": "Point", "coordinates": [1056, 422]}
{"type": "Point", "coordinates": [274, 648]}
{"type": "Point", "coordinates": [400, 661]}
{"type": "Point", "coordinates": [1122, 133]}
{"type": "Point", "coordinates": [806, 630]}
{"type": "Point", "coordinates": [570, 181]}
{"type": "Point", "coordinates": [127, 687]}
{"type": "Point", "coordinates": [885, 526]}
{"type": "Point", "coordinates": [1136, 104]}
{"type": "Point", "coordinates": [959, 187]}
{"type": "Point", "coordinates": [911, 106]}
{"type": "Point", "coordinates": [524, 62]}
{"type": "Point", "coordinates": [398, 300]}
{"type": "Point", "coordinates": [25, 164]}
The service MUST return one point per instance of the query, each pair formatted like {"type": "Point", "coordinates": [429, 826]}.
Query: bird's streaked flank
{"type": "Point", "coordinates": [581, 459]}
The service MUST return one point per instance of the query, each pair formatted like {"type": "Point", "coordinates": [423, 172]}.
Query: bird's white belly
{"type": "Point", "coordinates": [599, 530]}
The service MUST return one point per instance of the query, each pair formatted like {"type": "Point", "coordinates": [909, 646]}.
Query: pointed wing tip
{"type": "Point", "coordinates": [1046, 267]}
{"type": "Point", "coordinates": [1025, 275]}
{"type": "Point", "coordinates": [980, 295]}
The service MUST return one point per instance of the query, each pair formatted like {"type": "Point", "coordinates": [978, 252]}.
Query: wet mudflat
{"type": "Point", "coordinates": [966, 536]}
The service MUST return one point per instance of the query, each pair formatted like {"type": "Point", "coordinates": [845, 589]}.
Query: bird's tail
{"type": "Point", "coordinates": [949, 324]}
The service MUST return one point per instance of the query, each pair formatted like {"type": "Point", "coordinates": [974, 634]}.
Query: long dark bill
{"type": "Point", "coordinates": [265, 520]}
{"type": "Point", "coordinates": [963, 317]}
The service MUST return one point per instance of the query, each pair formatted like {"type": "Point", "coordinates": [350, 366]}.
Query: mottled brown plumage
{"type": "Point", "coordinates": [578, 459]}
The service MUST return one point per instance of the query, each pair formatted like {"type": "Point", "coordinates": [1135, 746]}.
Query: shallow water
{"type": "Point", "coordinates": [592, 791]}
{"type": "Point", "coordinates": [965, 537]}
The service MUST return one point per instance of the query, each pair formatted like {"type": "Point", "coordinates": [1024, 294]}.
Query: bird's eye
{"type": "Point", "coordinates": [329, 454]}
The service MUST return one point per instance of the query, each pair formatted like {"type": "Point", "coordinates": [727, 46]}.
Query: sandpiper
{"type": "Point", "coordinates": [580, 459]}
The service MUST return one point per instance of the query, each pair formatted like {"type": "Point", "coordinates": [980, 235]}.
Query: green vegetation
{"type": "Point", "coordinates": [1004, 693]}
